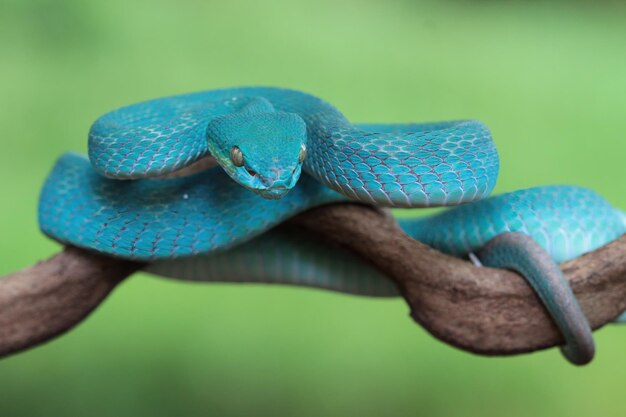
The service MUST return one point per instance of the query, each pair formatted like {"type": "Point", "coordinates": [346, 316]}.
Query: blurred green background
{"type": "Point", "coordinates": [548, 78]}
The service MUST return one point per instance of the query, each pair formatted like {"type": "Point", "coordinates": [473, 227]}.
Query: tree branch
{"type": "Point", "coordinates": [45, 300]}
{"type": "Point", "coordinates": [482, 310]}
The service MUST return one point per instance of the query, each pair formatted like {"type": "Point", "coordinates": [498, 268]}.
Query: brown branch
{"type": "Point", "coordinates": [482, 310]}
{"type": "Point", "coordinates": [49, 298]}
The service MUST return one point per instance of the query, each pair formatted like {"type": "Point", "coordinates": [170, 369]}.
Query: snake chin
{"type": "Point", "coordinates": [273, 193]}
{"type": "Point", "coordinates": [272, 187]}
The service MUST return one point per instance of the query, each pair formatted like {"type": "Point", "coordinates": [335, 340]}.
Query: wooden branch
{"type": "Point", "coordinates": [482, 310]}
{"type": "Point", "coordinates": [49, 298]}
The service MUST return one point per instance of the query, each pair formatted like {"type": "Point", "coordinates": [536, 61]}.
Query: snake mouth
{"type": "Point", "coordinates": [271, 187]}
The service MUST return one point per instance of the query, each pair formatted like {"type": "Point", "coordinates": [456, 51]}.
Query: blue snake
{"type": "Point", "coordinates": [263, 139]}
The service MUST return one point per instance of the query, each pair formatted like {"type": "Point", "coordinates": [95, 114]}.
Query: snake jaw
{"type": "Point", "coordinates": [274, 193]}
{"type": "Point", "coordinates": [276, 186]}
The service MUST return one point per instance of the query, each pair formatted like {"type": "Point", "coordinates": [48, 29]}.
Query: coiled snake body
{"type": "Point", "coordinates": [199, 226]}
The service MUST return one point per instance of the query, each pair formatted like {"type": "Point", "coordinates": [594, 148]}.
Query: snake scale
{"type": "Point", "coordinates": [281, 152]}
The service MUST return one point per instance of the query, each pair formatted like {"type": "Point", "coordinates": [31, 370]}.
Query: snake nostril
{"type": "Point", "coordinates": [251, 172]}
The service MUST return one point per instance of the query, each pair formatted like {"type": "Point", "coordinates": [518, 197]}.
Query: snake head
{"type": "Point", "coordinates": [263, 152]}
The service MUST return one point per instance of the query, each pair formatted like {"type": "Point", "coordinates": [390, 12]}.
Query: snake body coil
{"type": "Point", "coordinates": [198, 227]}
{"type": "Point", "coordinates": [153, 219]}
{"type": "Point", "coordinates": [413, 165]}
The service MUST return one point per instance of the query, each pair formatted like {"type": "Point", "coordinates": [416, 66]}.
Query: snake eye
{"type": "Point", "coordinates": [236, 156]}
{"type": "Point", "coordinates": [302, 154]}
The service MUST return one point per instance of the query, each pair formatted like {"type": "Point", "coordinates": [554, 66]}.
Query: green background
{"type": "Point", "coordinates": [548, 78]}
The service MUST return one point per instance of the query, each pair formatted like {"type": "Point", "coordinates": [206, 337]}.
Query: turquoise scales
{"type": "Point", "coordinates": [404, 166]}
{"type": "Point", "coordinates": [153, 219]}
{"type": "Point", "coordinates": [261, 137]}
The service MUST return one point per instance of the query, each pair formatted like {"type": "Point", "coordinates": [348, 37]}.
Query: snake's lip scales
{"type": "Point", "coordinates": [273, 193]}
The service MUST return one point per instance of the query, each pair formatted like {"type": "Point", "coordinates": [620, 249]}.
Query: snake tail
{"type": "Point", "coordinates": [521, 253]}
